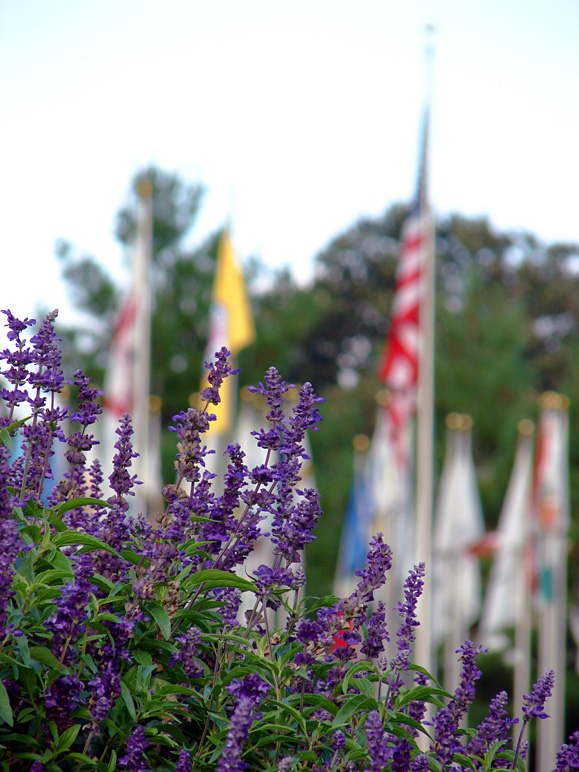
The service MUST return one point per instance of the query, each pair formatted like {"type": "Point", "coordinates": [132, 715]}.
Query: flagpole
{"type": "Point", "coordinates": [425, 411]}
{"type": "Point", "coordinates": [522, 664]}
{"type": "Point", "coordinates": [553, 515]}
{"type": "Point", "coordinates": [142, 360]}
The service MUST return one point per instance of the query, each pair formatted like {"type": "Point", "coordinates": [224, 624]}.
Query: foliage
{"type": "Point", "coordinates": [120, 643]}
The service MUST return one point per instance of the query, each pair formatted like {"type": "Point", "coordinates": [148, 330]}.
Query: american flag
{"type": "Point", "coordinates": [398, 368]}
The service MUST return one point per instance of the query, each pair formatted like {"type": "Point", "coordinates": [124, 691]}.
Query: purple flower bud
{"type": "Point", "coordinates": [534, 703]}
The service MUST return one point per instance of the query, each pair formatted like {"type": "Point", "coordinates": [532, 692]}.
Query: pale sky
{"type": "Point", "coordinates": [298, 116]}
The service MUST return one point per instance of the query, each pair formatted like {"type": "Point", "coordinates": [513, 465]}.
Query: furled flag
{"type": "Point", "coordinates": [230, 324]}
{"type": "Point", "coordinates": [509, 580]}
{"type": "Point", "coordinates": [458, 528]}
{"type": "Point", "coordinates": [551, 497]}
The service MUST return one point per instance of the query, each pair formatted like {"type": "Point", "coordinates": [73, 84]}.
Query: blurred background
{"type": "Point", "coordinates": [295, 125]}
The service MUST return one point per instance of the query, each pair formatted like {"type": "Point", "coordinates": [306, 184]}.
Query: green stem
{"type": "Point", "coordinates": [518, 748]}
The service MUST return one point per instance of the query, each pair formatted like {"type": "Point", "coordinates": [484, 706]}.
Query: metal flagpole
{"type": "Point", "coordinates": [553, 515]}
{"type": "Point", "coordinates": [523, 589]}
{"type": "Point", "coordinates": [425, 420]}
{"type": "Point", "coordinates": [142, 360]}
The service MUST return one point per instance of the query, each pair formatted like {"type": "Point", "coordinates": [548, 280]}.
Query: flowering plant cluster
{"type": "Point", "coordinates": [122, 644]}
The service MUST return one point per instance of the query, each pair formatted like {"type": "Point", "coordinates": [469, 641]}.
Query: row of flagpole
{"type": "Point", "coordinates": [526, 586]}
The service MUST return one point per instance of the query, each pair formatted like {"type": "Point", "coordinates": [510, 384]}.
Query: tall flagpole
{"type": "Point", "coordinates": [553, 517]}
{"type": "Point", "coordinates": [425, 412]}
{"type": "Point", "coordinates": [142, 360]}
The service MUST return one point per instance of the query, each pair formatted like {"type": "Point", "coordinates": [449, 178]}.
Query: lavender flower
{"type": "Point", "coordinates": [68, 622]}
{"type": "Point", "coordinates": [407, 610]}
{"type": "Point", "coordinates": [465, 691]}
{"type": "Point", "coordinates": [10, 546]}
{"type": "Point", "coordinates": [61, 700]}
{"type": "Point", "coordinates": [377, 563]}
{"type": "Point", "coordinates": [339, 740]}
{"type": "Point", "coordinates": [376, 742]}
{"type": "Point", "coordinates": [534, 703]}
{"type": "Point", "coordinates": [239, 726]}
{"type": "Point", "coordinates": [18, 362]}
{"type": "Point", "coordinates": [106, 686]}
{"type": "Point", "coordinates": [251, 687]}
{"type": "Point", "coordinates": [115, 529]}
{"type": "Point", "coordinates": [79, 444]}
{"type": "Point", "coordinates": [447, 720]}
{"type": "Point", "coordinates": [188, 653]}
{"type": "Point", "coordinates": [47, 357]}
{"type": "Point", "coordinates": [191, 424]}
{"type": "Point", "coordinates": [568, 755]}
{"type": "Point", "coordinates": [136, 746]}
{"type": "Point", "coordinates": [219, 369]}
{"type": "Point", "coordinates": [492, 729]}
{"type": "Point", "coordinates": [184, 762]}
{"type": "Point", "coordinates": [401, 755]}
{"type": "Point", "coordinates": [377, 634]}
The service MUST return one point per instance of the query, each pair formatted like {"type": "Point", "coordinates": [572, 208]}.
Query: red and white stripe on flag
{"type": "Point", "coordinates": [398, 367]}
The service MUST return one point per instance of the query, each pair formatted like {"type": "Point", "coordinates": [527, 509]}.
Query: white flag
{"type": "Point", "coordinates": [506, 590]}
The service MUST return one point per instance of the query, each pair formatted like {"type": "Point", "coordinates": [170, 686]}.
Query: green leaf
{"type": "Point", "coordinates": [132, 557]}
{"type": "Point", "coordinates": [128, 700]}
{"type": "Point", "coordinates": [421, 694]}
{"type": "Point", "coordinates": [22, 643]}
{"type": "Point", "coordinates": [464, 760]}
{"type": "Point", "coordinates": [161, 617]}
{"type": "Point", "coordinates": [6, 439]}
{"type": "Point", "coordinates": [351, 673]}
{"type": "Point", "coordinates": [142, 657]}
{"type": "Point", "coordinates": [5, 709]}
{"type": "Point", "coordinates": [44, 655]}
{"type": "Point", "coordinates": [61, 562]}
{"type": "Point", "coordinates": [73, 538]}
{"type": "Point", "coordinates": [67, 738]}
{"type": "Point", "coordinates": [26, 569]}
{"type": "Point", "coordinates": [358, 703]}
{"type": "Point", "coordinates": [219, 578]}
{"type": "Point", "coordinates": [86, 501]}
{"type": "Point", "coordinates": [113, 762]}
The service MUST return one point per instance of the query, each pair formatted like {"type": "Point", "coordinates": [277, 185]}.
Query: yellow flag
{"type": "Point", "coordinates": [230, 325]}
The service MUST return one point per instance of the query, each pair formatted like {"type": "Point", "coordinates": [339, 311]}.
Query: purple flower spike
{"type": "Point", "coordinates": [407, 610]}
{"type": "Point", "coordinates": [219, 369]}
{"type": "Point", "coordinates": [534, 703]}
{"type": "Point", "coordinates": [492, 729]}
{"type": "Point", "coordinates": [568, 755]}
{"type": "Point", "coordinates": [47, 356]}
{"type": "Point", "coordinates": [377, 564]}
{"type": "Point", "coordinates": [184, 763]}
{"type": "Point", "coordinates": [10, 545]}
{"type": "Point", "coordinates": [241, 721]}
{"type": "Point", "coordinates": [134, 749]}
{"type": "Point", "coordinates": [376, 742]}
{"type": "Point", "coordinates": [374, 643]}
{"type": "Point", "coordinates": [465, 691]}
{"type": "Point", "coordinates": [18, 362]}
